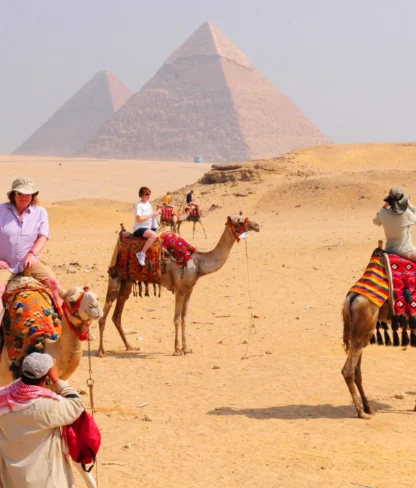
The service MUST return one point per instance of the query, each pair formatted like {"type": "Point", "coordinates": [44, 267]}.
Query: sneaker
{"type": "Point", "coordinates": [141, 256]}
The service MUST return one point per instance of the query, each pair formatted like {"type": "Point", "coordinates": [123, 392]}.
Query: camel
{"type": "Point", "coordinates": [180, 281]}
{"type": "Point", "coordinates": [185, 217]}
{"type": "Point", "coordinates": [360, 316]}
{"type": "Point", "coordinates": [80, 307]}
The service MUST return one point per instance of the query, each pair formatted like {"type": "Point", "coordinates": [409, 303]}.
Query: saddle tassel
{"type": "Point", "coordinates": [387, 338]}
{"type": "Point", "coordinates": [395, 327]}
{"type": "Point", "coordinates": [380, 341]}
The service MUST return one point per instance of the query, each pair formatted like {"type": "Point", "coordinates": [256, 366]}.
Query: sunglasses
{"type": "Point", "coordinates": [20, 194]}
{"type": "Point", "coordinates": [147, 194]}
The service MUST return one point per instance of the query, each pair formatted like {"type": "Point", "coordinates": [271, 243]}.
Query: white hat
{"type": "Point", "coordinates": [36, 365]}
{"type": "Point", "coordinates": [24, 185]}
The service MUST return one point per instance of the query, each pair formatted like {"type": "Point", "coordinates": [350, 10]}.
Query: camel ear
{"type": "Point", "coordinates": [228, 219]}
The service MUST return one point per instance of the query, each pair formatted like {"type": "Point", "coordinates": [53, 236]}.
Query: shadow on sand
{"type": "Point", "coordinates": [325, 411]}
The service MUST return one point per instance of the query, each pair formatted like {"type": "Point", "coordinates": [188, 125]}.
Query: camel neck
{"type": "Point", "coordinates": [212, 261]}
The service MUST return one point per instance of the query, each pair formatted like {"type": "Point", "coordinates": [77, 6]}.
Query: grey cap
{"type": "Point", "coordinates": [36, 365]}
{"type": "Point", "coordinates": [24, 185]}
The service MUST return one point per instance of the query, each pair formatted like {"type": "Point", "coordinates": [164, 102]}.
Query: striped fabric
{"type": "Point", "coordinates": [374, 283]}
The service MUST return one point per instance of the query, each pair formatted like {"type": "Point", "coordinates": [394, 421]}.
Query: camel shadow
{"type": "Point", "coordinates": [120, 354]}
{"type": "Point", "coordinates": [284, 412]}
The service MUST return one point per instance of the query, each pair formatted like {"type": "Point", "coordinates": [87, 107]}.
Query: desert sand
{"type": "Point", "coordinates": [261, 401]}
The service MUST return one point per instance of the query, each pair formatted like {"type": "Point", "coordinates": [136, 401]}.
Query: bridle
{"type": "Point", "coordinates": [73, 312]}
{"type": "Point", "coordinates": [238, 228]}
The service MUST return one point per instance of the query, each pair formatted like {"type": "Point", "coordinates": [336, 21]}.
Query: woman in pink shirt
{"type": "Point", "coordinates": [24, 230]}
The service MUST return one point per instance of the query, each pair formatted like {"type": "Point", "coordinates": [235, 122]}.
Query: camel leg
{"type": "Point", "coordinates": [179, 300]}
{"type": "Point", "coordinates": [193, 230]}
{"type": "Point", "coordinates": [202, 225]}
{"type": "Point", "coordinates": [348, 372]}
{"type": "Point", "coordinates": [359, 383]}
{"type": "Point", "coordinates": [125, 290]}
{"type": "Point", "coordinates": [185, 305]}
{"type": "Point", "coordinates": [112, 293]}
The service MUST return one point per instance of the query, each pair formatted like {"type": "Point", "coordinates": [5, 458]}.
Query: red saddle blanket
{"type": "Point", "coordinates": [30, 317]}
{"type": "Point", "coordinates": [127, 266]}
{"type": "Point", "coordinates": [192, 210]}
{"type": "Point", "coordinates": [403, 273]}
{"type": "Point", "coordinates": [167, 213]}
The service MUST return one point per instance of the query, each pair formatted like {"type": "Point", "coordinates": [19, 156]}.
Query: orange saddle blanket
{"type": "Point", "coordinates": [126, 266]}
{"type": "Point", "coordinates": [30, 317]}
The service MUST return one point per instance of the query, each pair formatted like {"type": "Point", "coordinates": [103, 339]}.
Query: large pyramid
{"type": "Point", "coordinates": [208, 100]}
{"type": "Point", "coordinates": [69, 129]}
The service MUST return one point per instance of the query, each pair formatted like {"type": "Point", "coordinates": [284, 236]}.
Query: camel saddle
{"type": "Point", "coordinates": [393, 278]}
{"type": "Point", "coordinates": [126, 266]}
{"type": "Point", "coordinates": [167, 213]}
{"type": "Point", "coordinates": [192, 210]}
{"type": "Point", "coordinates": [30, 318]}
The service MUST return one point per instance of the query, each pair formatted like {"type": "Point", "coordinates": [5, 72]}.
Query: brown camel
{"type": "Point", "coordinates": [186, 217]}
{"type": "Point", "coordinates": [360, 316]}
{"type": "Point", "coordinates": [169, 223]}
{"type": "Point", "coordinates": [80, 307]}
{"type": "Point", "coordinates": [180, 281]}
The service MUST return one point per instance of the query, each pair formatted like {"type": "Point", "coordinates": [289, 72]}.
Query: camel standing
{"type": "Point", "coordinates": [80, 307]}
{"type": "Point", "coordinates": [180, 281]}
{"type": "Point", "coordinates": [186, 217]}
{"type": "Point", "coordinates": [169, 223]}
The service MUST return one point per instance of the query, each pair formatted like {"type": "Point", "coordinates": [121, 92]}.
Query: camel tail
{"type": "Point", "coordinates": [347, 317]}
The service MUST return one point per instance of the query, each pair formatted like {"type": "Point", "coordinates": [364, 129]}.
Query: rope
{"type": "Point", "coordinates": [90, 384]}
{"type": "Point", "coordinates": [249, 300]}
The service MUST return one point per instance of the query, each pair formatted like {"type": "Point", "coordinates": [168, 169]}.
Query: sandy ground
{"type": "Point", "coordinates": [271, 413]}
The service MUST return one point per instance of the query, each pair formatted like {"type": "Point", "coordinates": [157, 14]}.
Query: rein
{"type": "Point", "coordinates": [73, 312]}
{"type": "Point", "coordinates": [238, 229]}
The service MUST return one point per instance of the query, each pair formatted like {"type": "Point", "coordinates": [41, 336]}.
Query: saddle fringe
{"type": "Point", "coordinates": [397, 322]}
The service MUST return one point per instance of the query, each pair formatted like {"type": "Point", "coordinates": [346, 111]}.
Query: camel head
{"type": "Point", "coordinates": [239, 224]}
{"type": "Point", "coordinates": [82, 303]}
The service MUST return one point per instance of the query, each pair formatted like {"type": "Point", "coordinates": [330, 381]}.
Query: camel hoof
{"type": "Point", "coordinates": [370, 410]}
{"type": "Point", "coordinates": [187, 351]}
{"type": "Point", "coordinates": [131, 348]}
{"type": "Point", "coordinates": [178, 353]}
{"type": "Point", "coordinates": [364, 416]}
{"type": "Point", "coordinates": [101, 354]}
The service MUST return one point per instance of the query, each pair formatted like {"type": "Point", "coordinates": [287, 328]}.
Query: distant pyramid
{"type": "Point", "coordinates": [69, 129]}
{"type": "Point", "coordinates": [208, 100]}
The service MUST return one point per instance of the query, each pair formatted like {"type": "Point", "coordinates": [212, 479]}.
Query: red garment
{"type": "Point", "coordinates": [17, 396]}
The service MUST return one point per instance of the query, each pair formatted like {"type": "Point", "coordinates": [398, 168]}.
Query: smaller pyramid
{"type": "Point", "coordinates": [70, 127]}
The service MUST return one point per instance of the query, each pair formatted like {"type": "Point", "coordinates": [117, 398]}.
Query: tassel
{"type": "Point", "coordinates": [395, 323]}
{"type": "Point", "coordinates": [413, 338]}
{"type": "Point", "coordinates": [396, 340]}
{"type": "Point", "coordinates": [373, 339]}
{"type": "Point", "coordinates": [403, 321]}
{"type": "Point", "coordinates": [405, 338]}
{"type": "Point", "coordinates": [146, 289]}
{"type": "Point", "coordinates": [380, 341]}
{"type": "Point", "coordinates": [140, 289]}
{"type": "Point", "coordinates": [387, 338]}
{"type": "Point", "coordinates": [412, 322]}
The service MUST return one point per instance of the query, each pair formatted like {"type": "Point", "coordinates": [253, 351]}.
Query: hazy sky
{"type": "Point", "coordinates": [349, 65]}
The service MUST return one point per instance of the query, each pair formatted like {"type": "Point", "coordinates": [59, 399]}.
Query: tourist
{"type": "Point", "coordinates": [167, 198]}
{"type": "Point", "coordinates": [189, 197]}
{"type": "Point", "coordinates": [31, 417]}
{"type": "Point", "coordinates": [396, 216]}
{"type": "Point", "coordinates": [24, 231]}
{"type": "Point", "coordinates": [144, 219]}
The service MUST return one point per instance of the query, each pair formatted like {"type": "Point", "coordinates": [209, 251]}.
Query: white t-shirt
{"type": "Point", "coordinates": [142, 210]}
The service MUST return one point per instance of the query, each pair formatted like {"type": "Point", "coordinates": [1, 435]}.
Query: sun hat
{"type": "Point", "coordinates": [36, 365]}
{"type": "Point", "coordinates": [24, 185]}
{"type": "Point", "coordinates": [397, 200]}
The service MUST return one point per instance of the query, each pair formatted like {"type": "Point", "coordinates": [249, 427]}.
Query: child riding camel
{"type": "Point", "coordinates": [145, 222]}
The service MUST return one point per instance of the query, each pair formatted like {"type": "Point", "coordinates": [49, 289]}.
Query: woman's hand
{"type": "Point", "coordinates": [4, 265]}
{"type": "Point", "coordinates": [30, 260]}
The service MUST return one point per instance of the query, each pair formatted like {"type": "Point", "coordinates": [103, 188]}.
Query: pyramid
{"type": "Point", "coordinates": [69, 129]}
{"type": "Point", "coordinates": [208, 100]}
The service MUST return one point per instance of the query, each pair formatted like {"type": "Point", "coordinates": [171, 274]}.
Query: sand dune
{"type": "Point", "coordinates": [281, 417]}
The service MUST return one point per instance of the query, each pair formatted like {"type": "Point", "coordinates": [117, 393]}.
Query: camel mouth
{"type": "Point", "coordinates": [254, 226]}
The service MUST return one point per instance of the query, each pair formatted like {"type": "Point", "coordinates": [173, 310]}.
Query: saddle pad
{"type": "Point", "coordinates": [30, 317]}
{"type": "Point", "coordinates": [191, 210]}
{"type": "Point", "coordinates": [167, 213]}
{"type": "Point", "coordinates": [403, 274]}
{"type": "Point", "coordinates": [177, 247]}
{"type": "Point", "coordinates": [374, 283]}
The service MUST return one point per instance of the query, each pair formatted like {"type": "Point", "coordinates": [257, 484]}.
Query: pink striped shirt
{"type": "Point", "coordinates": [18, 237]}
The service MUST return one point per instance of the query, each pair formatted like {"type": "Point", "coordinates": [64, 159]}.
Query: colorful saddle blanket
{"type": "Point", "coordinates": [167, 213]}
{"type": "Point", "coordinates": [30, 317]}
{"type": "Point", "coordinates": [126, 266]}
{"type": "Point", "coordinates": [374, 283]}
{"type": "Point", "coordinates": [191, 210]}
